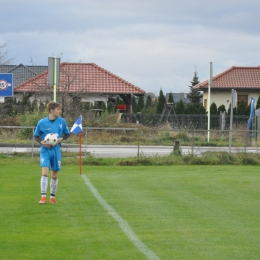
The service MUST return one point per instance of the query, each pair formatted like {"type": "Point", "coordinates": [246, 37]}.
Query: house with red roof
{"type": "Point", "coordinates": [21, 73]}
{"type": "Point", "coordinates": [84, 82]}
{"type": "Point", "coordinates": [245, 80]}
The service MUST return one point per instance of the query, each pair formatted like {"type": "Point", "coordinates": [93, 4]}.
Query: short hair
{"type": "Point", "coordinates": [52, 105]}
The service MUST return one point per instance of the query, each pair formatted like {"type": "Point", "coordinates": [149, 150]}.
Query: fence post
{"type": "Point", "coordinates": [32, 142]}
{"type": "Point", "coordinates": [176, 147]}
{"type": "Point", "coordinates": [86, 143]}
{"type": "Point", "coordinates": [192, 141]}
{"type": "Point", "coordinates": [245, 140]}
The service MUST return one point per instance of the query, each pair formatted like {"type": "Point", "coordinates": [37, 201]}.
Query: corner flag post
{"type": "Point", "coordinates": [80, 153]}
{"type": "Point", "coordinates": [77, 130]}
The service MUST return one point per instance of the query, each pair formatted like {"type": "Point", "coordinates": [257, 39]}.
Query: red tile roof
{"type": "Point", "coordinates": [81, 77]}
{"type": "Point", "coordinates": [235, 77]}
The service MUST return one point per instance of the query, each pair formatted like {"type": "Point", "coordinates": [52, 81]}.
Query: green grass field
{"type": "Point", "coordinates": [178, 212]}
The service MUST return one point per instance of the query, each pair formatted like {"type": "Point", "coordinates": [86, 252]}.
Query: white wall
{"type": "Point", "coordinates": [224, 97]}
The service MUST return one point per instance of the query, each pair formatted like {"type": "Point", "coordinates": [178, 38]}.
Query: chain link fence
{"type": "Point", "coordinates": [143, 141]}
{"type": "Point", "coordinates": [185, 121]}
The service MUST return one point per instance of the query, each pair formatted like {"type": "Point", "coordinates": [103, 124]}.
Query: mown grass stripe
{"type": "Point", "coordinates": [122, 223]}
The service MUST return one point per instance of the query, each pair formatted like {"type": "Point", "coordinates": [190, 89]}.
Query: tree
{"type": "Point", "coordinates": [258, 103]}
{"type": "Point", "coordinates": [221, 108]}
{"type": "Point", "coordinates": [161, 102]}
{"type": "Point", "coordinates": [140, 103]}
{"type": "Point", "coordinates": [234, 110]}
{"type": "Point", "coordinates": [180, 108]}
{"type": "Point", "coordinates": [248, 109]}
{"type": "Point", "coordinates": [149, 102]}
{"type": "Point", "coordinates": [194, 95]}
{"type": "Point", "coordinates": [134, 105]}
{"type": "Point", "coordinates": [170, 99]}
{"type": "Point", "coordinates": [213, 109]}
{"type": "Point", "coordinates": [4, 55]}
{"type": "Point", "coordinates": [201, 110]}
{"type": "Point", "coordinates": [241, 110]}
{"type": "Point", "coordinates": [110, 107]}
{"type": "Point", "coordinates": [191, 109]}
{"type": "Point", "coordinates": [149, 106]}
{"type": "Point", "coordinates": [103, 106]}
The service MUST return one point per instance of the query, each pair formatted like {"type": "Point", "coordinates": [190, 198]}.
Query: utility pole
{"type": "Point", "coordinates": [233, 105]}
{"type": "Point", "coordinates": [210, 83]}
{"type": "Point", "coordinates": [54, 74]}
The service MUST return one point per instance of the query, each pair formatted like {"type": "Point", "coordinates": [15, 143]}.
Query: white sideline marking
{"type": "Point", "coordinates": [122, 223]}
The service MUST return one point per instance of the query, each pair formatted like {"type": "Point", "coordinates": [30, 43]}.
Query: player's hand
{"type": "Point", "coordinates": [46, 144]}
{"type": "Point", "coordinates": [59, 140]}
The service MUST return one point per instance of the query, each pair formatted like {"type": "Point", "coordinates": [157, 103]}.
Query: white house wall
{"type": "Point", "coordinates": [42, 98]}
{"type": "Point", "coordinates": [224, 98]}
{"type": "Point", "coordinates": [94, 98]}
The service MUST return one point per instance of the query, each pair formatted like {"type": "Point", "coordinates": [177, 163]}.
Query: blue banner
{"type": "Point", "coordinates": [252, 113]}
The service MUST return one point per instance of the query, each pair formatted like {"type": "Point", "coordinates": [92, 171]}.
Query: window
{"type": "Point", "coordinates": [242, 97]}
{"type": "Point", "coordinates": [205, 103]}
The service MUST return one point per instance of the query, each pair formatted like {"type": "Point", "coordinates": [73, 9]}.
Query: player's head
{"type": "Point", "coordinates": [52, 105]}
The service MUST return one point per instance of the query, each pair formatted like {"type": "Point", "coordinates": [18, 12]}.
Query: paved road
{"type": "Point", "coordinates": [122, 151]}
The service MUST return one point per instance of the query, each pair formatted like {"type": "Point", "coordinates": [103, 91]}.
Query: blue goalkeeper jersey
{"type": "Point", "coordinates": [46, 126]}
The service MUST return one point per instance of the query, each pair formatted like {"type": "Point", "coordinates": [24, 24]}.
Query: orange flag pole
{"type": "Point", "coordinates": [80, 153]}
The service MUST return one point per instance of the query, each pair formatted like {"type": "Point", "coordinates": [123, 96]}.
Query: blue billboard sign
{"type": "Point", "coordinates": [6, 85]}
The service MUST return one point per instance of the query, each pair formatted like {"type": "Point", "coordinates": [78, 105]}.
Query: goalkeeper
{"type": "Point", "coordinates": [50, 156]}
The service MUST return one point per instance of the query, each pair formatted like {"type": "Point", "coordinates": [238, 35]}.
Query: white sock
{"type": "Point", "coordinates": [44, 185]}
{"type": "Point", "coordinates": [54, 186]}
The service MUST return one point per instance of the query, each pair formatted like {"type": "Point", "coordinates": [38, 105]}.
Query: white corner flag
{"type": "Point", "coordinates": [77, 127]}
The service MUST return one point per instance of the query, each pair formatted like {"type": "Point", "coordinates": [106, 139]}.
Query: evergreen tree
{"type": "Point", "coordinates": [149, 102]}
{"type": "Point", "coordinates": [134, 105]}
{"type": "Point", "coordinates": [234, 110]}
{"type": "Point", "coordinates": [180, 108]}
{"type": "Point", "coordinates": [248, 109]}
{"type": "Point", "coordinates": [213, 109]}
{"type": "Point", "coordinates": [241, 110]}
{"type": "Point", "coordinates": [191, 109]}
{"type": "Point", "coordinates": [110, 107]}
{"type": "Point", "coordinates": [194, 95]}
{"type": "Point", "coordinates": [160, 103]}
{"type": "Point", "coordinates": [201, 110]}
{"type": "Point", "coordinates": [170, 99]}
{"type": "Point", "coordinates": [140, 103]}
{"type": "Point", "coordinates": [103, 106]}
{"type": "Point", "coordinates": [221, 108]}
{"type": "Point", "coordinates": [149, 106]}
{"type": "Point", "coordinates": [258, 103]}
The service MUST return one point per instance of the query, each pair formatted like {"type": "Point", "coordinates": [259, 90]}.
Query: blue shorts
{"type": "Point", "coordinates": [50, 157]}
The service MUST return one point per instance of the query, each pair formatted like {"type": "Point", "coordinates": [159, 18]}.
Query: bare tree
{"type": "Point", "coordinates": [4, 55]}
{"type": "Point", "coordinates": [6, 107]}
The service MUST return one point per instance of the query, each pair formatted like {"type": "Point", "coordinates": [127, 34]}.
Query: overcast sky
{"type": "Point", "coordinates": [153, 44]}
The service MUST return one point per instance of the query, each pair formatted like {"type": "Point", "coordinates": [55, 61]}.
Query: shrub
{"type": "Point", "coordinates": [29, 119]}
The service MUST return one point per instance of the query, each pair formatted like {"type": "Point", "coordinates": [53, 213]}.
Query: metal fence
{"type": "Point", "coordinates": [185, 121]}
{"type": "Point", "coordinates": [139, 141]}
